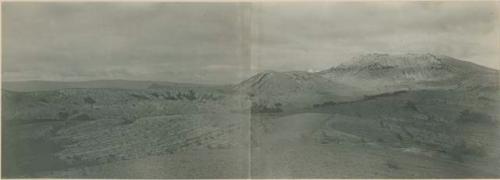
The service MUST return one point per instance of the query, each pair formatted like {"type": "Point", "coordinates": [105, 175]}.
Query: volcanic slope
{"type": "Point", "coordinates": [380, 73]}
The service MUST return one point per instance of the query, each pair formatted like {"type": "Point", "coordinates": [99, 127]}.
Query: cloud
{"type": "Point", "coordinates": [227, 42]}
{"type": "Point", "coordinates": [326, 33]}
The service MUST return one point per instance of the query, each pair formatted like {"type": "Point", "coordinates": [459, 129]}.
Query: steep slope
{"type": "Point", "coordinates": [277, 91]}
{"type": "Point", "coordinates": [381, 73]}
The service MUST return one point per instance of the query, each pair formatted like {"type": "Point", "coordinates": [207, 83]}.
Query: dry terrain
{"type": "Point", "coordinates": [379, 116]}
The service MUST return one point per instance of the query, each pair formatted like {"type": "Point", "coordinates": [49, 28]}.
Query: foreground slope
{"type": "Point", "coordinates": [415, 134]}
{"type": "Point", "coordinates": [46, 131]}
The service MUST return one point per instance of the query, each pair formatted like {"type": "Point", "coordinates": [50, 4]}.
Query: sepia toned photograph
{"type": "Point", "coordinates": [250, 90]}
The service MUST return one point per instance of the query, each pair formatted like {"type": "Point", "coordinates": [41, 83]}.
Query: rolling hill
{"type": "Point", "coordinates": [279, 91]}
{"type": "Point", "coordinates": [377, 116]}
{"type": "Point", "coordinates": [364, 75]}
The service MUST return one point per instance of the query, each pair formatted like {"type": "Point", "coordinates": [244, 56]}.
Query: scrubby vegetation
{"type": "Point", "coordinates": [259, 108]}
{"type": "Point", "coordinates": [428, 128]}
{"type": "Point", "coordinates": [461, 150]}
{"type": "Point", "coordinates": [468, 116]}
{"type": "Point", "coordinates": [90, 101]}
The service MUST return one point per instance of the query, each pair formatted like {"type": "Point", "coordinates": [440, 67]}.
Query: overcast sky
{"type": "Point", "coordinates": [228, 42]}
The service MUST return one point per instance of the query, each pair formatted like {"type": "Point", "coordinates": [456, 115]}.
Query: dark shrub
{"type": "Point", "coordinates": [168, 96]}
{"type": "Point", "coordinates": [63, 115]}
{"type": "Point", "coordinates": [258, 108]}
{"type": "Point", "coordinates": [328, 103]}
{"type": "Point", "coordinates": [369, 97]}
{"type": "Point", "coordinates": [190, 95]}
{"type": "Point", "coordinates": [44, 100]}
{"type": "Point", "coordinates": [392, 164]}
{"type": "Point", "coordinates": [411, 105]}
{"type": "Point", "coordinates": [138, 96]}
{"type": "Point", "coordinates": [127, 120]}
{"type": "Point", "coordinates": [460, 150]}
{"type": "Point", "coordinates": [156, 95]}
{"type": "Point", "coordinates": [179, 96]}
{"type": "Point", "coordinates": [90, 101]}
{"type": "Point", "coordinates": [467, 116]}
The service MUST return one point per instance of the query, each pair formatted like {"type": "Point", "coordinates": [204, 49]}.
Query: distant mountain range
{"type": "Point", "coordinates": [114, 84]}
{"type": "Point", "coordinates": [370, 73]}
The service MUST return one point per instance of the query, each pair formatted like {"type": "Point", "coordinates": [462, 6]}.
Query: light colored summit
{"type": "Point", "coordinates": [385, 72]}
{"type": "Point", "coordinates": [377, 60]}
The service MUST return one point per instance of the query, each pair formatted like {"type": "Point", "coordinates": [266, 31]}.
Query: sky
{"type": "Point", "coordinates": [221, 43]}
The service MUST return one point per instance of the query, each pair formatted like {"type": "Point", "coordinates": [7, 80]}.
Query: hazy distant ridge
{"type": "Point", "coordinates": [369, 71]}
